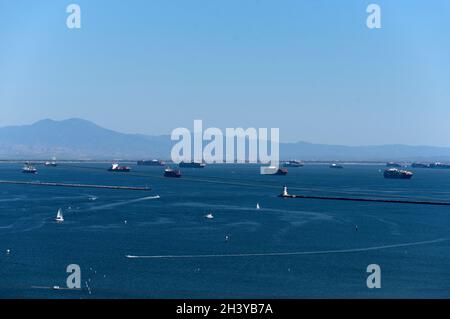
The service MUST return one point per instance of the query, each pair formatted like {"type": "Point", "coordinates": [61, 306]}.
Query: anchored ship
{"type": "Point", "coordinates": [117, 168]}
{"type": "Point", "coordinates": [168, 172]}
{"type": "Point", "coordinates": [439, 165]}
{"type": "Point", "coordinates": [51, 163]}
{"type": "Point", "coordinates": [393, 164]}
{"type": "Point", "coordinates": [293, 163]}
{"type": "Point", "coordinates": [192, 165]}
{"type": "Point", "coordinates": [420, 165]}
{"type": "Point", "coordinates": [154, 162]}
{"type": "Point", "coordinates": [273, 170]}
{"type": "Point", "coordinates": [397, 173]}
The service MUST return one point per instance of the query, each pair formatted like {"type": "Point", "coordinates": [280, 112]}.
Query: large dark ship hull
{"type": "Point", "coordinates": [120, 170]}
{"type": "Point", "coordinates": [420, 165]}
{"type": "Point", "coordinates": [397, 174]}
{"type": "Point", "coordinates": [281, 171]}
{"type": "Point", "coordinates": [29, 172]}
{"type": "Point", "coordinates": [191, 165]}
{"type": "Point", "coordinates": [440, 165]}
{"type": "Point", "coordinates": [172, 173]}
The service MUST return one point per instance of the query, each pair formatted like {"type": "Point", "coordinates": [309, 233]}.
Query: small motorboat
{"type": "Point", "coordinates": [209, 216]}
{"type": "Point", "coordinates": [29, 169]}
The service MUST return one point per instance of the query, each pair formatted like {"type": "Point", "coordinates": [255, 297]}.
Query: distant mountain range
{"type": "Point", "coordinates": [84, 140]}
{"type": "Point", "coordinates": [77, 139]}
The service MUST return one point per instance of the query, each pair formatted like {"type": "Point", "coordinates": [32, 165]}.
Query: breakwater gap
{"type": "Point", "coordinates": [285, 194]}
{"type": "Point", "coordinates": [49, 184]}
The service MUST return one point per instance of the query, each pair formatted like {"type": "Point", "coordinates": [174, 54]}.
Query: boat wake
{"type": "Point", "coordinates": [107, 206]}
{"type": "Point", "coordinates": [297, 253]}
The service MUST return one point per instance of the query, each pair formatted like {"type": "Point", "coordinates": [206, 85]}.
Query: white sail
{"type": "Point", "coordinates": [257, 206]}
{"type": "Point", "coordinates": [59, 216]}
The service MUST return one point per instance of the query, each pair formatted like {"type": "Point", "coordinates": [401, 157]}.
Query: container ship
{"type": "Point", "coordinates": [192, 165]}
{"type": "Point", "coordinates": [393, 164]}
{"type": "Point", "coordinates": [50, 164]}
{"type": "Point", "coordinates": [273, 170]}
{"type": "Point", "coordinates": [117, 168]}
{"type": "Point", "coordinates": [168, 172]}
{"type": "Point", "coordinates": [420, 165]}
{"type": "Point", "coordinates": [397, 173]}
{"type": "Point", "coordinates": [439, 165]}
{"type": "Point", "coordinates": [154, 162]}
{"type": "Point", "coordinates": [293, 164]}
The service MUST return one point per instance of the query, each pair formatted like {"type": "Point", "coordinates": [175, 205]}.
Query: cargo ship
{"type": "Point", "coordinates": [397, 173]}
{"type": "Point", "coordinates": [117, 168]}
{"type": "Point", "coordinates": [393, 164]}
{"type": "Point", "coordinates": [168, 172]}
{"type": "Point", "coordinates": [273, 170]}
{"type": "Point", "coordinates": [29, 169]}
{"type": "Point", "coordinates": [293, 163]}
{"type": "Point", "coordinates": [439, 165]}
{"type": "Point", "coordinates": [420, 165]}
{"type": "Point", "coordinates": [154, 162]}
{"type": "Point", "coordinates": [192, 165]}
{"type": "Point", "coordinates": [50, 164]}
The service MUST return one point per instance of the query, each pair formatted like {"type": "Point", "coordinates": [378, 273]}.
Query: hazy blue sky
{"type": "Point", "coordinates": [311, 68]}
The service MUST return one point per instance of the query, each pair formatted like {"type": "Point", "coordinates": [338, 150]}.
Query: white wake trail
{"type": "Point", "coordinates": [106, 206]}
{"type": "Point", "coordinates": [317, 252]}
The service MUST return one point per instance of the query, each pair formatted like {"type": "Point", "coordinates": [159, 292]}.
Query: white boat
{"type": "Point", "coordinates": [59, 216]}
{"type": "Point", "coordinates": [209, 216]}
{"type": "Point", "coordinates": [257, 206]}
{"type": "Point", "coordinates": [29, 169]}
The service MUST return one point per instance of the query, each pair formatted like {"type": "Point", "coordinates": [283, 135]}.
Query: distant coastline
{"type": "Point", "coordinates": [169, 162]}
{"type": "Point", "coordinates": [81, 140]}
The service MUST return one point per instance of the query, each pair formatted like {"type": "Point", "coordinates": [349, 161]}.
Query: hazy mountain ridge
{"type": "Point", "coordinates": [76, 139]}
{"type": "Point", "coordinates": [81, 139]}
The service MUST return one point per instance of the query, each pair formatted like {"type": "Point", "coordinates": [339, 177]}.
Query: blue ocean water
{"type": "Point", "coordinates": [96, 237]}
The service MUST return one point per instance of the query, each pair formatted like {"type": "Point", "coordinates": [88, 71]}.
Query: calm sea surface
{"type": "Point", "coordinates": [102, 227]}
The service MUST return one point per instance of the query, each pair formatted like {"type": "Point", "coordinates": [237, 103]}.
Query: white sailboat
{"type": "Point", "coordinates": [257, 206]}
{"type": "Point", "coordinates": [59, 216]}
